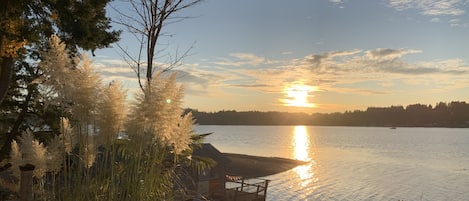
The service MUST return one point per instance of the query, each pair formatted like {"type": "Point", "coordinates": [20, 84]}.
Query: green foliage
{"type": "Point", "coordinates": [25, 26]}
{"type": "Point", "coordinates": [83, 23]}
{"type": "Point", "coordinates": [80, 23]}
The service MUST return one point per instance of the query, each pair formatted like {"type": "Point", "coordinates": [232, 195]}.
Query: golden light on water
{"type": "Point", "coordinates": [301, 151]}
{"type": "Point", "coordinates": [301, 143]}
{"type": "Point", "coordinates": [298, 95]}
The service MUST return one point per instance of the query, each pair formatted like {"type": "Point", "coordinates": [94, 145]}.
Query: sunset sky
{"type": "Point", "coordinates": [313, 56]}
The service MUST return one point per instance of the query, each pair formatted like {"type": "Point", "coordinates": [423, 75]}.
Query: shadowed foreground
{"type": "Point", "coordinates": [257, 166]}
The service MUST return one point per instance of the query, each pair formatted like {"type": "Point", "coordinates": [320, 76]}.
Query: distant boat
{"type": "Point", "coordinates": [392, 128]}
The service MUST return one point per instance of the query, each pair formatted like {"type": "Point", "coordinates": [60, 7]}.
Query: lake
{"type": "Point", "coordinates": [357, 163]}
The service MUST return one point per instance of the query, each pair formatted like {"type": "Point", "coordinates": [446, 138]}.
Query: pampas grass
{"type": "Point", "coordinates": [111, 113]}
{"type": "Point", "coordinates": [86, 161]}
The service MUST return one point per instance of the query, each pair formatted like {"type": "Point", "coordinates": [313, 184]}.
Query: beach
{"type": "Point", "coordinates": [257, 166]}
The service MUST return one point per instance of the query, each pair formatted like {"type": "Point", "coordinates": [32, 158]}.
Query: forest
{"type": "Point", "coordinates": [452, 114]}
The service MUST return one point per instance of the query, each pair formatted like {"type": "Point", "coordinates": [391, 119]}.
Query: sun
{"type": "Point", "coordinates": [298, 95]}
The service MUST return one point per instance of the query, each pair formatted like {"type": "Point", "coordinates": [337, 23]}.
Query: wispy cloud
{"type": "Point", "coordinates": [252, 85]}
{"type": "Point", "coordinates": [381, 60]}
{"type": "Point", "coordinates": [456, 22]}
{"type": "Point", "coordinates": [388, 53]}
{"type": "Point", "coordinates": [431, 7]}
{"type": "Point", "coordinates": [243, 59]}
{"type": "Point", "coordinates": [373, 72]}
{"type": "Point", "coordinates": [360, 91]}
{"type": "Point", "coordinates": [435, 20]}
{"type": "Point", "coordinates": [201, 80]}
{"type": "Point", "coordinates": [336, 1]}
{"type": "Point", "coordinates": [319, 60]}
{"type": "Point", "coordinates": [338, 71]}
{"type": "Point", "coordinates": [114, 70]}
{"type": "Point", "coordinates": [340, 3]}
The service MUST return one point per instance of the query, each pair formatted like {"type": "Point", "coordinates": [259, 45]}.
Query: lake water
{"type": "Point", "coordinates": [357, 163]}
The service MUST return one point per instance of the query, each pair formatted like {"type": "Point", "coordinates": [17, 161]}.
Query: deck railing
{"type": "Point", "coordinates": [247, 189]}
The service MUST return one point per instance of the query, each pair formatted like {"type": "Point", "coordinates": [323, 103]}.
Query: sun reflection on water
{"type": "Point", "coordinates": [301, 151]}
{"type": "Point", "coordinates": [301, 143]}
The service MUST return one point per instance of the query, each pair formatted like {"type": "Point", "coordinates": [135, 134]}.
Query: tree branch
{"type": "Point", "coordinates": [153, 16]}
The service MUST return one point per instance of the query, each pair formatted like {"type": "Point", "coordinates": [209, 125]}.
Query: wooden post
{"type": "Point", "coordinates": [26, 182]}
{"type": "Point", "coordinates": [236, 194]}
{"type": "Point", "coordinates": [265, 189]}
{"type": "Point", "coordinates": [257, 191]}
{"type": "Point", "coordinates": [242, 184]}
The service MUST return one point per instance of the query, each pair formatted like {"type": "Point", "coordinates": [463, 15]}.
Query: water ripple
{"type": "Point", "coordinates": [357, 163]}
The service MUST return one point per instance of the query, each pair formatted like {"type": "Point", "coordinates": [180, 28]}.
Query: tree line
{"type": "Point", "coordinates": [453, 114]}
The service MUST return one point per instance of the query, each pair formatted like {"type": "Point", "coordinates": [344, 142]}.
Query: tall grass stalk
{"type": "Point", "coordinates": [86, 161]}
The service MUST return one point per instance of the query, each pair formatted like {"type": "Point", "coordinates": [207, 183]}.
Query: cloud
{"type": "Point", "coordinates": [188, 78]}
{"type": "Point", "coordinates": [110, 69]}
{"type": "Point", "coordinates": [113, 62]}
{"type": "Point", "coordinates": [406, 69]}
{"type": "Point", "coordinates": [336, 1]}
{"type": "Point", "coordinates": [318, 59]}
{"type": "Point", "coordinates": [368, 72]}
{"type": "Point", "coordinates": [388, 53]}
{"type": "Point", "coordinates": [386, 84]}
{"type": "Point", "coordinates": [435, 20]}
{"type": "Point", "coordinates": [340, 3]}
{"type": "Point", "coordinates": [335, 69]}
{"type": "Point", "coordinates": [450, 66]}
{"type": "Point", "coordinates": [454, 21]}
{"type": "Point", "coordinates": [431, 7]}
{"type": "Point", "coordinates": [206, 81]}
{"type": "Point", "coordinates": [380, 60]}
{"type": "Point", "coordinates": [361, 91]}
{"type": "Point", "coordinates": [196, 82]}
{"type": "Point", "coordinates": [252, 85]}
{"type": "Point", "coordinates": [243, 59]}
{"type": "Point", "coordinates": [384, 71]}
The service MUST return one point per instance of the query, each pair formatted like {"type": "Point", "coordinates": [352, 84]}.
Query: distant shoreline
{"type": "Point", "coordinates": [393, 127]}
{"type": "Point", "coordinates": [443, 115]}
{"type": "Point", "coordinates": [249, 166]}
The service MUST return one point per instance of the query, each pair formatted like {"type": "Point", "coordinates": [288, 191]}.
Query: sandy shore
{"type": "Point", "coordinates": [257, 166]}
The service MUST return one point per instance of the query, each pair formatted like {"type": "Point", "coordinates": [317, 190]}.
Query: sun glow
{"type": "Point", "coordinates": [297, 95]}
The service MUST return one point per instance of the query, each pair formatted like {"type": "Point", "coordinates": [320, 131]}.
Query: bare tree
{"type": "Point", "coordinates": [145, 21]}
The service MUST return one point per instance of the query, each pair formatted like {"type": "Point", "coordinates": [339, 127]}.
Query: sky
{"type": "Point", "coordinates": [313, 56]}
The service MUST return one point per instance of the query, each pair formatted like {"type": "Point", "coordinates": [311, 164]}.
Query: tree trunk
{"type": "Point", "coordinates": [5, 75]}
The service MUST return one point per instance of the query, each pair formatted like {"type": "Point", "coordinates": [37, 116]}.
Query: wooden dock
{"type": "Point", "coordinates": [246, 190]}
